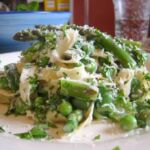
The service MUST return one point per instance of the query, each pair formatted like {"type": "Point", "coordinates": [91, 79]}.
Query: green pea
{"type": "Point", "coordinates": [79, 115]}
{"type": "Point", "coordinates": [72, 122]}
{"type": "Point", "coordinates": [107, 71]}
{"type": "Point", "coordinates": [88, 48]}
{"type": "Point", "coordinates": [70, 126]}
{"type": "Point", "coordinates": [128, 122]}
{"type": "Point", "coordinates": [91, 67]}
{"type": "Point", "coordinates": [90, 64]}
{"type": "Point", "coordinates": [65, 108]}
{"type": "Point", "coordinates": [3, 83]}
{"type": "Point", "coordinates": [108, 97]}
{"type": "Point", "coordinates": [73, 117]}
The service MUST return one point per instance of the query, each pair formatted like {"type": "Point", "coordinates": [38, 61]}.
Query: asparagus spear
{"type": "Point", "coordinates": [12, 76]}
{"type": "Point", "coordinates": [81, 90]}
{"type": "Point", "coordinates": [81, 104]}
{"type": "Point", "coordinates": [109, 44]}
{"type": "Point", "coordinates": [28, 35]}
{"type": "Point", "coordinates": [73, 121]}
{"type": "Point", "coordinates": [38, 33]}
{"type": "Point", "coordinates": [104, 40]}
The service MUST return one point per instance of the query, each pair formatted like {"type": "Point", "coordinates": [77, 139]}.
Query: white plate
{"type": "Point", "coordinates": [111, 135]}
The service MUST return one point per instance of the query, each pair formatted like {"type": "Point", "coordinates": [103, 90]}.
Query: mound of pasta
{"type": "Point", "coordinates": [72, 75]}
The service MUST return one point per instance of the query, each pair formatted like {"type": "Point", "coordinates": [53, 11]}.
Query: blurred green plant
{"type": "Point", "coordinates": [32, 6]}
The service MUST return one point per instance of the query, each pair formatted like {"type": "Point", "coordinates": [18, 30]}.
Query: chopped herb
{"type": "Point", "coordinates": [65, 75]}
{"type": "Point", "coordinates": [147, 76]}
{"type": "Point", "coordinates": [17, 107]}
{"type": "Point", "coordinates": [12, 76]}
{"type": "Point", "coordinates": [97, 137]}
{"type": "Point", "coordinates": [1, 130]}
{"type": "Point", "coordinates": [116, 148]}
{"type": "Point", "coordinates": [88, 47]}
{"type": "Point", "coordinates": [43, 62]}
{"type": "Point", "coordinates": [4, 83]}
{"type": "Point", "coordinates": [135, 88]}
{"type": "Point", "coordinates": [34, 82]}
{"type": "Point", "coordinates": [108, 71]}
{"type": "Point", "coordinates": [36, 132]}
{"type": "Point", "coordinates": [52, 125]}
{"type": "Point", "coordinates": [64, 28]}
{"type": "Point", "coordinates": [32, 52]}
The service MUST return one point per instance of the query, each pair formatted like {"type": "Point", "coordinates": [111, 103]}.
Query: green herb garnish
{"type": "Point", "coordinates": [97, 137]}
{"type": "Point", "coordinates": [116, 148]}
{"type": "Point", "coordinates": [2, 130]}
{"type": "Point", "coordinates": [37, 132]}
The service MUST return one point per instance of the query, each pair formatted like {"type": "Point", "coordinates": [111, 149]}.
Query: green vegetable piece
{"type": "Point", "coordinates": [134, 48]}
{"type": "Point", "coordinates": [108, 97]}
{"type": "Point", "coordinates": [34, 82]}
{"type": "Point", "coordinates": [147, 76]}
{"type": "Point", "coordinates": [73, 121]}
{"type": "Point", "coordinates": [80, 104]}
{"type": "Point", "coordinates": [143, 116]}
{"type": "Point", "coordinates": [88, 48]}
{"type": "Point", "coordinates": [109, 44]}
{"type": "Point", "coordinates": [90, 65]}
{"type": "Point", "coordinates": [70, 126]}
{"type": "Point", "coordinates": [4, 83]}
{"type": "Point", "coordinates": [128, 122]}
{"type": "Point", "coordinates": [52, 125]}
{"type": "Point", "coordinates": [65, 108]}
{"type": "Point", "coordinates": [135, 86]}
{"type": "Point", "coordinates": [38, 103]}
{"type": "Point", "coordinates": [17, 107]}
{"type": "Point", "coordinates": [12, 76]}
{"type": "Point", "coordinates": [116, 148]}
{"type": "Point", "coordinates": [97, 137]}
{"type": "Point", "coordinates": [131, 42]}
{"type": "Point", "coordinates": [26, 135]}
{"type": "Point", "coordinates": [79, 115]}
{"type": "Point", "coordinates": [81, 90]}
{"type": "Point", "coordinates": [43, 62]}
{"type": "Point", "coordinates": [97, 115]}
{"type": "Point", "coordinates": [32, 52]}
{"type": "Point", "coordinates": [106, 93]}
{"type": "Point", "coordinates": [1, 130]}
{"type": "Point", "coordinates": [108, 71]}
{"type": "Point", "coordinates": [36, 132]}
